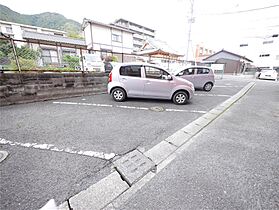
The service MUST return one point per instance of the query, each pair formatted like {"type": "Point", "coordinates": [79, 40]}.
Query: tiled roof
{"type": "Point", "coordinates": [53, 38]}
{"type": "Point", "coordinates": [85, 21]}
{"type": "Point", "coordinates": [225, 51]}
{"type": "Point", "coordinates": [158, 46]}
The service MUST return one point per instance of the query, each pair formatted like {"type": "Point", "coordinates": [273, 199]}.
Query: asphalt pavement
{"type": "Point", "coordinates": [232, 164]}
{"type": "Point", "coordinates": [53, 146]}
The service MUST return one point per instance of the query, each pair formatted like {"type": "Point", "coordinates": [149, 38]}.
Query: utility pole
{"type": "Point", "coordinates": [190, 21]}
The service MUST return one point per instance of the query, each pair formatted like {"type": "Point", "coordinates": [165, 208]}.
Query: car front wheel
{"type": "Point", "coordinates": [208, 86]}
{"type": "Point", "coordinates": [118, 94]}
{"type": "Point", "coordinates": [180, 98]}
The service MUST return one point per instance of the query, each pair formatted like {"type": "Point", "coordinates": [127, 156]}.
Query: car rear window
{"type": "Point", "coordinates": [189, 71]}
{"type": "Point", "coordinates": [131, 71]}
{"type": "Point", "coordinates": [203, 71]}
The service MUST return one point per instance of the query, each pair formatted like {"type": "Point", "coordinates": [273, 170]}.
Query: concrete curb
{"type": "Point", "coordinates": [111, 192]}
{"type": "Point", "coordinates": [3, 155]}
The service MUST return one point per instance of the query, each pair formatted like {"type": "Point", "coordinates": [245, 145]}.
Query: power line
{"type": "Point", "coordinates": [243, 11]}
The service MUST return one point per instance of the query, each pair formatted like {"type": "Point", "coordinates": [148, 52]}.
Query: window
{"type": "Point", "coordinates": [264, 55]}
{"type": "Point", "coordinates": [49, 56]}
{"type": "Point", "coordinates": [268, 42]}
{"type": "Point", "coordinates": [189, 71]}
{"type": "Point", "coordinates": [155, 73]}
{"type": "Point", "coordinates": [116, 38]}
{"type": "Point", "coordinates": [9, 29]}
{"type": "Point", "coordinates": [58, 34]}
{"type": "Point", "coordinates": [131, 71]}
{"type": "Point", "coordinates": [203, 71]}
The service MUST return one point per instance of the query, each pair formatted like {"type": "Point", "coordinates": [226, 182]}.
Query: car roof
{"type": "Point", "coordinates": [140, 64]}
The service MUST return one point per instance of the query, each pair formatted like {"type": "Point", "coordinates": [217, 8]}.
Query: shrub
{"type": "Point", "coordinates": [72, 61]}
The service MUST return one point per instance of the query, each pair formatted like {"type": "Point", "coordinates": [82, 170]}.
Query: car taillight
{"type": "Point", "coordinates": [110, 77]}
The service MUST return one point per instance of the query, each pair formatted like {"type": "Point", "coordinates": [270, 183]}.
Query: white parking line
{"type": "Point", "coordinates": [228, 86]}
{"type": "Point", "coordinates": [127, 107]}
{"type": "Point", "coordinates": [181, 110]}
{"type": "Point", "coordinates": [219, 95]}
{"type": "Point", "coordinates": [132, 107]}
{"type": "Point", "coordinates": [51, 147]}
{"type": "Point", "coordinates": [83, 104]}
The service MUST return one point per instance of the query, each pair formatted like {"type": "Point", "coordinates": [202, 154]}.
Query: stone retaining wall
{"type": "Point", "coordinates": [30, 87]}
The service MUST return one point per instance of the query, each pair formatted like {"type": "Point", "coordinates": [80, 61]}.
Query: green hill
{"type": "Point", "coordinates": [45, 20]}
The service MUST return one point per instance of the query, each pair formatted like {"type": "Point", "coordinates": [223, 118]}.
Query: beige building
{"type": "Point", "coordinates": [202, 52]}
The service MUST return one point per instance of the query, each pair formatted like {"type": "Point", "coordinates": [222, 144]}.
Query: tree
{"type": "Point", "coordinates": [72, 61]}
{"type": "Point", "coordinates": [75, 35]}
{"type": "Point", "coordinates": [111, 58]}
{"type": "Point", "coordinates": [27, 53]}
{"type": "Point", "coordinates": [5, 48]}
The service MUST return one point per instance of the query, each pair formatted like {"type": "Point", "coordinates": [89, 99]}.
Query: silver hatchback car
{"type": "Point", "coordinates": [143, 80]}
{"type": "Point", "coordinates": [202, 77]}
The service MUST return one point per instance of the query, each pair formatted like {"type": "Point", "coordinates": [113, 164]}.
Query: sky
{"type": "Point", "coordinates": [219, 24]}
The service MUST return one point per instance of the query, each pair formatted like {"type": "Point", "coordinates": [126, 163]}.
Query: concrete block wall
{"type": "Point", "coordinates": [30, 87]}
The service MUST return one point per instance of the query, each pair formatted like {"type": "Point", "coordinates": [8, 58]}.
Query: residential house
{"type": "Point", "coordinates": [107, 39]}
{"type": "Point", "coordinates": [51, 43]}
{"type": "Point", "coordinates": [140, 33]}
{"type": "Point", "coordinates": [233, 63]}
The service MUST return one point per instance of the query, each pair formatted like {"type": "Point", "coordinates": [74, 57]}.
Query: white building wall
{"type": "Point", "coordinates": [256, 49]}
{"type": "Point", "coordinates": [271, 49]}
{"type": "Point", "coordinates": [101, 35]}
{"type": "Point", "coordinates": [127, 40]}
{"type": "Point", "coordinates": [87, 34]}
{"type": "Point", "coordinates": [102, 39]}
{"type": "Point", "coordinates": [17, 32]}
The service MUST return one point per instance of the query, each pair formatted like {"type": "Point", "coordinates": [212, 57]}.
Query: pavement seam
{"type": "Point", "coordinates": [194, 128]}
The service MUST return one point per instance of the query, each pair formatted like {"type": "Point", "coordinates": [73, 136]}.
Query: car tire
{"type": "Point", "coordinates": [118, 94]}
{"type": "Point", "coordinates": [208, 86]}
{"type": "Point", "coordinates": [180, 98]}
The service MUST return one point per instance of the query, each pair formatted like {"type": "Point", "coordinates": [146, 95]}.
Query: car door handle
{"type": "Point", "coordinates": [148, 83]}
{"type": "Point", "coordinates": [124, 79]}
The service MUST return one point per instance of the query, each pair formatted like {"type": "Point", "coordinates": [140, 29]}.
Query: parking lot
{"type": "Point", "coordinates": [57, 148]}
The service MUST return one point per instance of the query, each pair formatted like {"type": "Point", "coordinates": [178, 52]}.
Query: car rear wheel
{"type": "Point", "coordinates": [118, 94]}
{"type": "Point", "coordinates": [208, 86]}
{"type": "Point", "coordinates": [180, 98]}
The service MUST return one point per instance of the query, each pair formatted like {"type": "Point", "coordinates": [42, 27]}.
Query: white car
{"type": "Point", "coordinates": [269, 74]}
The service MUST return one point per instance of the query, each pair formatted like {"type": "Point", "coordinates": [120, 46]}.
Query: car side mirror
{"type": "Point", "coordinates": [180, 73]}
{"type": "Point", "coordinates": [169, 77]}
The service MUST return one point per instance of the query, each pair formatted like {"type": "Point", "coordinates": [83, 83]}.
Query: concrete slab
{"type": "Point", "coordinates": [192, 128]}
{"type": "Point", "coordinates": [202, 121]}
{"type": "Point", "coordinates": [209, 116]}
{"type": "Point", "coordinates": [100, 194]}
{"type": "Point", "coordinates": [160, 151]}
{"type": "Point", "coordinates": [63, 206]}
{"type": "Point", "coordinates": [133, 166]}
{"type": "Point", "coordinates": [3, 155]}
{"type": "Point", "coordinates": [178, 138]}
{"type": "Point", "coordinates": [216, 111]}
{"type": "Point", "coordinates": [227, 103]}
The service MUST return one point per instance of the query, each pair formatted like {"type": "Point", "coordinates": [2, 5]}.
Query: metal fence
{"type": "Point", "coordinates": [16, 55]}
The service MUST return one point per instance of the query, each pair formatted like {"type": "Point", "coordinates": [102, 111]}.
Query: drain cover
{"type": "Point", "coordinates": [133, 166]}
{"type": "Point", "coordinates": [3, 155]}
{"type": "Point", "coordinates": [157, 109]}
